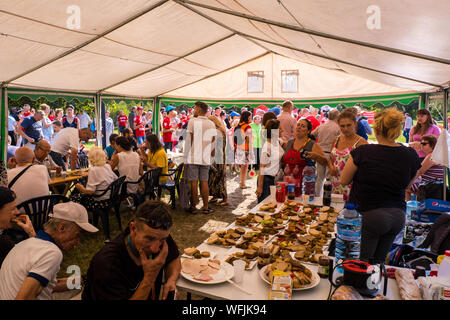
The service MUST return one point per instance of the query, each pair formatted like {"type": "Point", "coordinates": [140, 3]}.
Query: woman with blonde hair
{"type": "Point", "coordinates": [99, 178]}
{"type": "Point", "coordinates": [380, 174]}
{"type": "Point", "coordinates": [216, 181]}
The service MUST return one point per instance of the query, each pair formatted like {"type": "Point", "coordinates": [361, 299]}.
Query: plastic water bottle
{"type": "Point", "coordinates": [348, 238]}
{"type": "Point", "coordinates": [411, 206]}
{"type": "Point", "coordinates": [309, 180]}
{"type": "Point", "coordinates": [444, 277]}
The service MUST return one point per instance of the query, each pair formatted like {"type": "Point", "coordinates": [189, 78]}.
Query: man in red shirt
{"type": "Point", "coordinates": [139, 125]}
{"type": "Point", "coordinates": [122, 119]}
{"type": "Point", "coordinates": [312, 117]}
{"type": "Point", "coordinates": [168, 129]}
{"type": "Point", "coordinates": [26, 110]}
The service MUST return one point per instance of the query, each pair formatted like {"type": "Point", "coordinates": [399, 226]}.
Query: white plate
{"type": "Point", "coordinates": [315, 279]}
{"type": "Point", "coordinates": [213, 254]}
{"type": "Point", "coordinates": [225, 273]}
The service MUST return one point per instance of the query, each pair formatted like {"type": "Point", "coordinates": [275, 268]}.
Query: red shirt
{"type": "Point", "coordinates": [52, 118]}
{"type": "Point", "coordinates": [26, 114]}
{"type": "Point", "coordinates": [141, 131]}
{"type": "Point", "coordinates": [123, 119]}
{"type": "Point", "coordinates": [315, 123]}
{"type": "Point", "coordinates": [167, 136]}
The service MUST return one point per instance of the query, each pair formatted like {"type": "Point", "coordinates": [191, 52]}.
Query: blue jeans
{"type": "Point", "coordinates": [406, 134]}
{"type": "Point", "coordinates": [140, 140]}
{"type": "Point", "coordinates": [267, 182]}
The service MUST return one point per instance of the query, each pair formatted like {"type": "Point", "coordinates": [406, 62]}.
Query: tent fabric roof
{"type": "Point", "coordinates": [146, 48]}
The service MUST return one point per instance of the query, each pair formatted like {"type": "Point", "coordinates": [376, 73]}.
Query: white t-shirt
{"type": "Point", "coordinates": [99, 179]}
{"type": "Point", "coordinates": [84, 120]}
{"type": "Point", "coordinates": [65, 140]}
{"type": "Point", "coordinates": [199, 150]}
{"type": "Point", "coordinates": [271, 154]}
{"type": "Point", "coordinates": [128, 166]}
{"type": "Point", "coordinates": [32, 184]}
{"type": "Point", "coordinates": [40, 258]}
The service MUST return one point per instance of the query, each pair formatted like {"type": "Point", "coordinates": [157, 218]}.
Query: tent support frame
{"type": "Point", "coordinates": [250, 37]}
{"type": "Point", "coordinates": [317, 33]}
{"type": "Point", "coordinates": [445, 111]}
{"type": "Point", "coordinates": [154, 6]}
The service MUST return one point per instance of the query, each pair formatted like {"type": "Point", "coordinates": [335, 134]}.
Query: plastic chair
{"type": "Point", "coordinates": [148, 178]}
{"type": "Point", "coordinates": [113, 202]}
{"type": "Point", "coordinates": [171, 185]}
{"type": "Point", "coordinates": [39, 208]}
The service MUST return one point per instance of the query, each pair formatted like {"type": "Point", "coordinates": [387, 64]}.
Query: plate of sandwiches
{"type": "Point", "coordinates": [206, 271]}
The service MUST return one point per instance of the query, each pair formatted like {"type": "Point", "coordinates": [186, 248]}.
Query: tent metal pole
{"type": "Point", "coordinates": [167, 63]}
{"type": "Point", "coordinates": [98, 122]}
{"type": "Point", "coordinates": [445, 111]}
{"type": "Point", "coordinates": [154, 6]}
{"type": "Point", "coordinates": [316, 33]}
{"type": "Point", "coordinates": [4, 122]}
{"type": "Point", "coordinates": [250, 37]}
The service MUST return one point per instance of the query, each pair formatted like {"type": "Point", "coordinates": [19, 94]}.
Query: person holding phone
{"type": "Point", "coordinates": [131, 266]}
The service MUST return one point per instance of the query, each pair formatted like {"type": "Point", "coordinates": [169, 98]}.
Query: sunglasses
{"type": "Point", "coordinates": [424, 143]}
{"type": "Point", "coordinates": [156, 224]}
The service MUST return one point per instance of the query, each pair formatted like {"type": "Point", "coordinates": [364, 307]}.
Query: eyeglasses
{"type": "Point", "coordinates": [156, 224]}
{"type": "Point", "coordinates": [424, 143]}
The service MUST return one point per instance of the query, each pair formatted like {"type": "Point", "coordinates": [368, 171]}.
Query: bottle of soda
{"type": "Point", "coordinates": [287, 170]}
{"type": "Point", "coordinates": [309, 180]}
{"type": "Point", "coordinates": [348, 238]}
{"type": "Point", "coordinates": [327, 192]}
{"type": "Point", "coordinates": [296, 172]}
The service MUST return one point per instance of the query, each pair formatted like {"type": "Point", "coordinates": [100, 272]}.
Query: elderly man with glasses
{"type": "Point", "coordinates": [132, 265]}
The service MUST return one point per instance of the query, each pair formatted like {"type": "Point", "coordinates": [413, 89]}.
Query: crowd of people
{"type": "Point", "coordinates": [270, 143]}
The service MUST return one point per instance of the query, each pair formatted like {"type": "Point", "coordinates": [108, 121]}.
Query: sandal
{"type": "Point", "coordinates": [213, 200]}
{"type": "Point", "coordinates": [224, 203]}
{"type": "Point", "coordinates": [207, 211]}
{"type": "Point", "coordinates": [192, 210]}
{"type": "Point", "coordinates": [244, 187]}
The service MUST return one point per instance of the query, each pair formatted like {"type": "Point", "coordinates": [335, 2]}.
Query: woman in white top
{"type": "Point", "coordinates": [99, 178]}
{"type": "Point", "coordinates": [271, 154]}
{"type": "Point", "coordinates": [127, 162]}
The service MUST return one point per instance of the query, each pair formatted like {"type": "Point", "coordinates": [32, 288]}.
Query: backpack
{"type": "Point", "coordinates": [361, 129]}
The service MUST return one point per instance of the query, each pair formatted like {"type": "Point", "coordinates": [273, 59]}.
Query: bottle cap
{"type": "Point", "coordinates": [447, 253]}
{"type": "Point", "coordinates": [350, 206]}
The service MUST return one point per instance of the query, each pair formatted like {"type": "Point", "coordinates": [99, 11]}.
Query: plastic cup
{"type": "Point", "coordinates": [273, 191]}
{"type": "Point", "coordinates": [52, 174]}
{"type": "Point", "coordinates": [63, 174]}
{"type": "Point", "coordinates": [239, 269]}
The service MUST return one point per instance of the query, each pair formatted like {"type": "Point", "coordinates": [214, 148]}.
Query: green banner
{"type": "Point", "coordinates": [386, 100]}
{"type": "Point", "coordinates": [16, 94]}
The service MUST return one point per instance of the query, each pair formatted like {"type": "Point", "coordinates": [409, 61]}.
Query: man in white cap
{"type": "Point", "coordinates": [30, 268]}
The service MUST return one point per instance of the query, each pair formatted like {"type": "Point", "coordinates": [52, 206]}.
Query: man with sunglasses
{"type": "Point", "coordinates": [131, 266]}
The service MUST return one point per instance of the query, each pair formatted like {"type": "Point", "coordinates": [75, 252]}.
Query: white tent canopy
{"type": "Point", "coordinates": [146, 48]}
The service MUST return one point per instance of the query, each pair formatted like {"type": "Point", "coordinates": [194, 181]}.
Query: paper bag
{"type": "Point", "coordinates": [441, 152]}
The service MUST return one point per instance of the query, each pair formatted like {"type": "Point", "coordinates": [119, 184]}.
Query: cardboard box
{"type": "Point", "coordinates": [428, 216]}
{"type": "Point", "coordinates": [434, 205]}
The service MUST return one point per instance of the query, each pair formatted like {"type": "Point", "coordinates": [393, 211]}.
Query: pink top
{"type": "Point", "coordinates": [287, 125]}
{"type": "Point", "coordinates": [417, 137]}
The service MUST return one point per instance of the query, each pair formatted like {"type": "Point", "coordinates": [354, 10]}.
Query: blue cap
{"type": "Point", "coordinates": [275, 110]}
{"type": "Point", "coordinates": [169, 108]}
{"type": "Point", "coordinates": [350, 206]}
{"type": "Point", "coordinates": [235, 114]}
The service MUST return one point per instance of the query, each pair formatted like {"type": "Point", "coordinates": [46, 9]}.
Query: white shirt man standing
{"type": "Point", "coordinates": [200, 138]}
{"type": "Point", "coordinates": [85, 120]}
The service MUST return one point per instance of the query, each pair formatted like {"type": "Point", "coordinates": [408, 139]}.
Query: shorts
{"type": "Point", "coordinates": [140, 140]}
{"type": "Point", "coordinates": [121, 128]}
{"type": "Point", "coordinates": [196, 172]}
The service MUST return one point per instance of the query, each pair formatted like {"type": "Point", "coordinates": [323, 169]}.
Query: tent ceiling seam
{"type": "Point", "coordinates": [218, 73]}
{"type": "Point", "coordinates": [46, 23]}
{"type": "Point", "coordinates": [184, 3]}
{"type": "Point", "coordinates": [128, 20]}
{"type": "Point", "coordinates": [317, 33]}
{"type": "Point", "coordinates": [169, 62]}
{"type": "Point", "coordinates": [301, 25]}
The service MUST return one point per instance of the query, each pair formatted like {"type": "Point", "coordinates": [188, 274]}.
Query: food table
{"type": "Point", "coordinates": [176, 157]}
{"type": "Point", "coordinates": [253, 282]}
{"type": "Point", "coordinates": [69, 180]}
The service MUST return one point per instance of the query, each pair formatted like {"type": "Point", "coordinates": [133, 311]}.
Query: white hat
{"type": "Point", "coordinates": [74, 212]}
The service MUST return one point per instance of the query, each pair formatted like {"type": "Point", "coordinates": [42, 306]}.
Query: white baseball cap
{"type": "Point", "coordinates": [74, 212]}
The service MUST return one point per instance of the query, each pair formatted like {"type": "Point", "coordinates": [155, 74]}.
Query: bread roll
{"type": "Point", "coordinates": [407, 285]}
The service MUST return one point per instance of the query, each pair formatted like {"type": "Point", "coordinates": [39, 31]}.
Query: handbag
{"type": "Point", "coordinates": [430, 190]}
